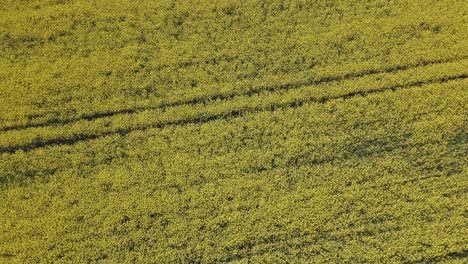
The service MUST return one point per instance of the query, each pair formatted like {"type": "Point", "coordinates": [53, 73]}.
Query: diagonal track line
{"type": "Point", "coordinates": [231, 95]}
{"type": "Point", "coordinates": [226, 115]}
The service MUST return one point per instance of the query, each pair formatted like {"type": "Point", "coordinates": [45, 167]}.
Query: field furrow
{"type": "Point", "coordinates": [250, 90]}
{"type": "Point", "coordinates": [201, 113]}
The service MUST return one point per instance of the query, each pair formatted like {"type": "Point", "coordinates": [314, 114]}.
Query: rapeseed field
{"type": "Point", "coordinates": [216, 131]}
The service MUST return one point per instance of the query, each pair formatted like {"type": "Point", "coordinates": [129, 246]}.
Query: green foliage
{"type": "Point", "coordinates": [233, 131]}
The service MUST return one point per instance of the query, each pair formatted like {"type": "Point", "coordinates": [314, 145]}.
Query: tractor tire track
{"type": "Point", "coordinates": [226, 115]}
{"type": "Point", "coordinates": [231, 95]}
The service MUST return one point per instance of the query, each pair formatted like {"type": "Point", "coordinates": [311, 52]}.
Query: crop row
{"type": "Point", "coordinates": [316, 211]}
{"type": "Point", "coordinates": [123, 74]}
{"type": "Point", "coordinates": [84, 155]}
{"type": "Point", "coordinates": [179, 115]}
{"type": "Point", "coordinates": [213, 93]}
{"type": "Point", "coordinates": [208, 92]}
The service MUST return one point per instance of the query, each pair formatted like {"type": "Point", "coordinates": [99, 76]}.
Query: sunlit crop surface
{"type": "Point", "coordinates": [208, 131]}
